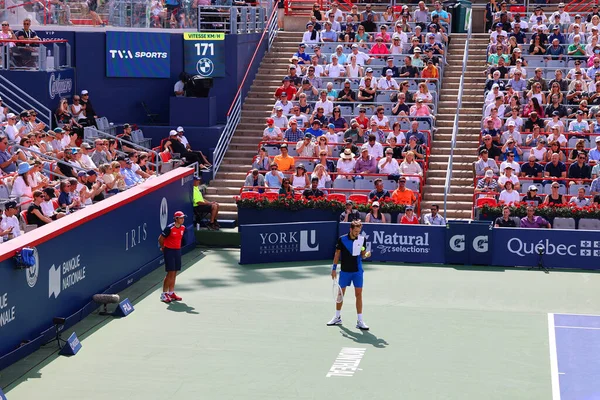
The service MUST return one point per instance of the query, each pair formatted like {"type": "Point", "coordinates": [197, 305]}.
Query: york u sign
{"type": "Point", "coordinates": [300, 241]}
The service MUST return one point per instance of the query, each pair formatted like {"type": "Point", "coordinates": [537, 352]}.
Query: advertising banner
{"type": "Point", "coordinates": [469, 242]}
{"type": "Point", "coordinates": [301, 241]}
{"type": "Point", "coordinates": [138, 55]}
{"type": "Point", "coordinates": [204, 54]}
{"type": "Point", "coordinates": [555, 248]}
{"type": "Point", "coordinates": [403, 243]}
{"type": "Point", "coordinates": [87, 258]}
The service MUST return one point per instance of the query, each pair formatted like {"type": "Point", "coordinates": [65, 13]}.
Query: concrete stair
{"type": "Point", "coordinates": [256, 108]}
{"type": "Point", "coordinates": [459, 199]}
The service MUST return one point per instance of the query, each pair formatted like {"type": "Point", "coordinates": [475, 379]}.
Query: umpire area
{"type": "Point", "coordinates": [258, 332]}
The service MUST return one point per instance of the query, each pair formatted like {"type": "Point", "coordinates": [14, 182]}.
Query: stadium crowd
{"type": "Point", "coordinates": [48, 173]}
{"type": "Point", "coordinates": [354, 116]}
{"type": "Point", "coordinates": [541, 116]}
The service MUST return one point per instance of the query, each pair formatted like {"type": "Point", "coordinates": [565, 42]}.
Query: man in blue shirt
{"type": "Point", "coordinates": [7, 161]}
{"type": "Point", "coordinates": [328, 35]}
{"type": "Point", "coordinates": [556, 35]}
{"type": "Point", "coordinates": [414, 131]}
{"type": "Point", "coordinates": [555, 50]}
{"type": "Point", "coordinates": [274, 178]}
{"type": "Point", "coordinates": [518, 34]}
{"type": "Point", "coordinates": [302, 56]}
{"type": "Point", "coordinates": [129, 176]}
{"type": "Point", "coordinates": [315, 129]}
{"type": "Point", "coordinates": [350, 250]}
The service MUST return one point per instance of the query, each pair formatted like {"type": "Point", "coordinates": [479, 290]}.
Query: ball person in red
{"type": "Point", "coordinates": [170, 241]}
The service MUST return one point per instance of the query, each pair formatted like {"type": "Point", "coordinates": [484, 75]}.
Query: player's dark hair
{"type": "Point", "coordinates": [355, 224]}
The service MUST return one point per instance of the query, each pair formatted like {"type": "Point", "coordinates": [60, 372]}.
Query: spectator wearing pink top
{"type": "Point", "coordinates": [379, 48]}
{"type": "Point", "coordinates": [383, 34]}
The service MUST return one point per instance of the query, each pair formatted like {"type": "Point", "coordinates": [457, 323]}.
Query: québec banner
{"type": "Point", "coordinates": [300, 241]}
{"type": "Point", "coordinates": [556, 248]}
{"type": "Point", "coordinates": [403, 243]}
{"type": "Point", "coordinates": [92, 256]}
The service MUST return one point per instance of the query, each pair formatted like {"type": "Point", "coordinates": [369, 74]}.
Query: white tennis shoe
{"type": "Point", "coordinates": [335, 321]}
{"type": "Point", "coordinates": [362, 326]}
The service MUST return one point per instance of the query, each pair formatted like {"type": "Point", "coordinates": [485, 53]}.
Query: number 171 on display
{"type": "Point", "coordinates": [203, 48]}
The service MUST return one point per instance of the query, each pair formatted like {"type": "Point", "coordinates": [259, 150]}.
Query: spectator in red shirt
{"type": "Point", "coordinates": [170, 242]}
{"type": "Point", "coordinates": [409, 216]}
{"type": "Point", "coordinates": [286, 88]}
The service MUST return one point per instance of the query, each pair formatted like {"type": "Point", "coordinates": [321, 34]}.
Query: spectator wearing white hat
{"type": "Point", "coordinates": [9, 226]}
{"type": "Point", "coordinates": [280, 120]}
{"type": "Point", "coordinates": [511, 132]}
{"type": "Point", "coordinates": [388, 83]}
{"type": "Point", "coordinates": [11, 130]}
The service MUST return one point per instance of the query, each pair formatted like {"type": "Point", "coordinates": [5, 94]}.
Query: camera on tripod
{"type": "Point", "coordinates": [541, 250]}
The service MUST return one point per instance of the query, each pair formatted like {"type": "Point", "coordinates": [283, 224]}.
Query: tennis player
{"type": "Point", "coordinates": [351, 272]}
{"type": "Point", "coordinates": [170, 241]}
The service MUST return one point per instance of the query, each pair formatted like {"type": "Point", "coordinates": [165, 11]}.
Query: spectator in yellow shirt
{"type": "Point", "coordinates": [202, 206]}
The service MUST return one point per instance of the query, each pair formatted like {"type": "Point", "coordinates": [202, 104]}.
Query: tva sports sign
{"type": "Point", "coordinates": [138, 55]}
{"type": "Point", "coordinates": [301, 241]}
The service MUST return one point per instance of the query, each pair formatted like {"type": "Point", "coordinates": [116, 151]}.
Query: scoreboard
{"type": "Point", "coordinates": [204, 54]}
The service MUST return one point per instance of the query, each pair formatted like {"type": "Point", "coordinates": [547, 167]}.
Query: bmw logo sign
{"type": "Point", "coordinates": [205, 67]}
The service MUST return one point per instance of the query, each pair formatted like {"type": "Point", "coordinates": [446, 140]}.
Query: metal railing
{"type": "Point", "coordinates": [235, 110]}
{"type": "Point", "coordinates": [47, 158]}
{"type": "Point", "coordinates": [449, 171]}
{"type": "Point", "coordinates": [90, 134]}
{"type": "Point", "coordinates": [232, 19]}
{"type": "Point", "coordinates": [18, 99]}
{"type": "Point", "coordinates": [45, 56]}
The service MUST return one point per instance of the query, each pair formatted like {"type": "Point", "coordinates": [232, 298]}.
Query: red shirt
{"type": "Point", "coordinates": [363, 122]}
{"type": "Point", "coordinates": [173, 236]}
{"type": "Point", "coordinates": [290, 91]}
{"type": "Point", "coordinates": [413, 221]}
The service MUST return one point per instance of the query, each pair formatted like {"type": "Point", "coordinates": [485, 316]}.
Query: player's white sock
{"type": "Point", "coordinates": [338, 313]}
{"type": "Point", "coordinates": [360, 317]}
{"type": "Point", "coordinates": [170, 293]}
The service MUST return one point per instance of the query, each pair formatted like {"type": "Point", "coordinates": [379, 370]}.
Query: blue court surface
{"type": "Point", "coordinates": [575, 356]}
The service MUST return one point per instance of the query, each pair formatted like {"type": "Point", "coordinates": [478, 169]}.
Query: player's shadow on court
{"type": "Point", "coordinates": [181, 307]}
{"type": "Point", "coordinates": [363, 337]}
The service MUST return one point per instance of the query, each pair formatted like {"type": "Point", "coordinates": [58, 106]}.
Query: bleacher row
{"type": "Point", "coordinates": [346, 184]}
{"type": "Point", "coordinates": [575, 180]}
{"type": "Point", "coordinates": [50, 164]}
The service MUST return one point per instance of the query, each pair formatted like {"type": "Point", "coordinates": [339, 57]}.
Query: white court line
{"type": "Point", "coordinates": [576, 327]}
{"type": "Point", "coordinates": [553, 358]}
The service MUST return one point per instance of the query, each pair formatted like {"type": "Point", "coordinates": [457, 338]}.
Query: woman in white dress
{"type": "Point", "coordinates": [300, 178]}
{"type": "Point", "coordinates": [353, 70]}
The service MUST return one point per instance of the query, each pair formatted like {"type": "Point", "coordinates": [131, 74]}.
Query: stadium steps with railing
{"type": "Point", "coordinates": [255, 109]}
{"type": "Point", "coordinates": [460, 197]}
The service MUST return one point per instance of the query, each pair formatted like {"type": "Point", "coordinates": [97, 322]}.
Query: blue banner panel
{"type": "Point", "coordinates": [556, 248]}
{"type": "Point", "coordinates": [468, 242]}
{"type": "Point", "coordinates": [204, 54]}
{"type": "Point", "coordinates": [403, 243]}
{"type": "Point", "coordinates": [301, 241]}
{"type": "Point", "coordinates": [138, 55]}
{"type": "Point", "coordinates": [86, 253]}
{"type": "Point", "coordinates": [72, 346]}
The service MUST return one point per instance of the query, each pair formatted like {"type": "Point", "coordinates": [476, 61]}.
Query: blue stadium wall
{"type": "Point", "coordinates": [123, 96]}
{"type": "Point", "coordinates": [103, 248]}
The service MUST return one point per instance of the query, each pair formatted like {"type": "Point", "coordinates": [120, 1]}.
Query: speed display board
{"type": "Point", "coordinates": [204, 54]}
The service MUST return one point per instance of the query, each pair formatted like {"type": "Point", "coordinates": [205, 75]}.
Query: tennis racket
{"type": "Point", "coordinates": [338, 295]}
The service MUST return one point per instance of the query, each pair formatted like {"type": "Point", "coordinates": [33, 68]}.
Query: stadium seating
{"type": "Point", "coordinates": [543, 63]}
